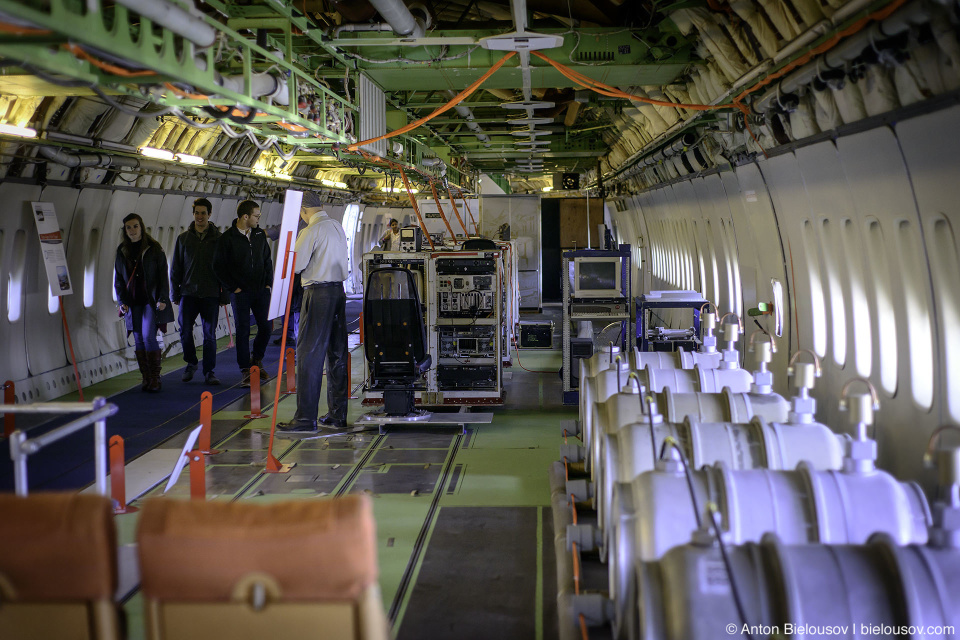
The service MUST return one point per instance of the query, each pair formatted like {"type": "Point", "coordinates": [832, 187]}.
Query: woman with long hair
{"type": "Point", "coordinates": [143, 291]}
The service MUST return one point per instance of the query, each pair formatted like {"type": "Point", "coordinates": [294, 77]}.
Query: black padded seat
{"type": "Point", "coordinates": [395, 337]}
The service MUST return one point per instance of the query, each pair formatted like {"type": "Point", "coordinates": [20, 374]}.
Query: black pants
{"type": "Point", "coordinates": [245, 303]}
{"type": "Point", "coordinates": [322, 335]}
{"type": "Point", "coordinates": [209, 311]}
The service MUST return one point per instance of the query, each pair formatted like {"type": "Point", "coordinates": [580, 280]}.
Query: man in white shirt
{"type": "Point", "coordinates": [322, 334]}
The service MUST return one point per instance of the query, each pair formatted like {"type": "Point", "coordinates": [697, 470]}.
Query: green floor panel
{"type": "Point", "coordinates": [133, 612]}
{"type": "Point", "coordinates": [399, 520]}
{"type": "Point", "coordinates": [502, 477]}
{"type": "Point", "coordinates": [513, 429]}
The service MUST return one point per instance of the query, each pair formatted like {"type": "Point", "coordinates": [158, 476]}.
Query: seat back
{"type": "Point", "coordinates": [58, 567]}
{"type": "Point", "coordinates": [308, 568]}
{"type": "Point", "coordinates": [395, 337]}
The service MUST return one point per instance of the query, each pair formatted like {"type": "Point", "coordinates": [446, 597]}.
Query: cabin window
{"type": "Point", "coordinates": [53, 302]}
{"type": "Point", "coordinates": [945, 267]}
{"type": "Point", "coordinates": [838, 315]}
{"type": "Point", "coordinates": [919, 335]}
{"type": "Point", "coordinates": [700, 263]}
{"type": "Point", "coordinates": [886, 317]}
{"type": "Point", "coordinates": [351, 221]}
{"type": "Point", "coordinates": [15, 277]}
{"type": "Point", "coordinates": [818, 312]}
{"type": "Point", "coordinates": [714, 267]}
{"type": "Point", "coordinates": [862, 327]}
{"type": "Point", "coordinates": [777, 306]}
{"type": "Point", "coordinates": [89, 268]}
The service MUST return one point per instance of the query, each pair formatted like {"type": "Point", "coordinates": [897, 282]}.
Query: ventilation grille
{"type": "Point", "coordinates": [373, 116]}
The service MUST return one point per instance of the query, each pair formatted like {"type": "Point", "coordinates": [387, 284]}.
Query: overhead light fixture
{"type": "Point", "coordinates": [397, 190]}
{"type": "Point", "coordinates": [282, 176]}
{"type": "Point", "coordinates": [333, 183]}
{"type": "Point", "coordinates": [547, 189]}
{"type": "Point", "coordinates": [186, 158]}
{"type": "Point", "coordinates": [159, 154]}
{"type": "Point", "coordinates": [20, 132]}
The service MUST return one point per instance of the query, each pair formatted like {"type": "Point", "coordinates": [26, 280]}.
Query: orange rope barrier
{"type": "Point", "coordinates": [460, 97]}
{"type": "Point", "coordinates": [106, 66]}
{"type": "Point", "coordinates": [466, 205]}
{"type": "Point", "coordinates": [457, 213]}
{"type": "Point", "coordinates": [416, 209]}
{"type": "Point", "coordinates": [436, 198]}
{"type": "Point", "coordinates": [17, 30]}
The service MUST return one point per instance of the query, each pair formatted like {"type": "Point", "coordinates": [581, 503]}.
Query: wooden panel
{"type": "Point", "coordinates": [573, 222]}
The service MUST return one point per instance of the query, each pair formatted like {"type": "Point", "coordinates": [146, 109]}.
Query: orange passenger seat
{"type": "Point", "coordinates": [58, 567]}
{"type": "Point", "coordinates": [298, 569]}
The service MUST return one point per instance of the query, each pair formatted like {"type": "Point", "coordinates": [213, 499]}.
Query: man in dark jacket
{"type": "Point", "coordinates": [197, 290]}
{"type": "Point", "coordinates": [243, 263]}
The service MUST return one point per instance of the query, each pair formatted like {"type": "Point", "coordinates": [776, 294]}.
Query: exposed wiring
{"type": "Point", "coordinates": [122, 108]}
{"type": "Point", "coordinates": [670, 441]}
{"type": "Point", "coordinates": [79, 52]}
{"type": "Point", "coordinates": [712, 510]}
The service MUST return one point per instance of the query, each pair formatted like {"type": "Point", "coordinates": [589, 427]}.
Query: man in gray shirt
{"type": "Point", "coordinates": [322, 334]}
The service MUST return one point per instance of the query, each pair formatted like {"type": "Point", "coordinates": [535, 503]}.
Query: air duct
{"type": "Point", "coordinates": [398, 16]}
{"type": "Point", "coordinates": [467, 115]}
{"type": "Point", "coordinates": [172, 17]}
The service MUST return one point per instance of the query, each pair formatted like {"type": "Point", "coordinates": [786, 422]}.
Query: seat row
{"type": "Point", "coordinates": [306, 569]}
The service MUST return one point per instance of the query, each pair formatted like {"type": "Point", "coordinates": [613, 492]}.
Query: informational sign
{"type": "Point", "coordinates": [281, 284]}
{"type": "Point", "coordinates": [184, 457]}
{"type": "Point", "coordinates": [51, 246]}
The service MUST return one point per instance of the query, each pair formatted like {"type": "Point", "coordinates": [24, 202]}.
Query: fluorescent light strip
{"type": "Point", "coordinates": [20, 132]}
{"type": "Point", "coordinates": [186, 158]}
{"type": "Point", "coordinates": [159, 154]}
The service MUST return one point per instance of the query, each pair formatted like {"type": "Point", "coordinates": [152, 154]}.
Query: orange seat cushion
{"type": "Point", "coordinates": [58, 546]}
{"type": "Point", "coordinates": [314, 550]}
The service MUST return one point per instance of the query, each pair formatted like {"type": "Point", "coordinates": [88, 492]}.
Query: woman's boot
{"type": "Point", "coordinates": [144, 368]}
{"type": "Point", "coordinates": [154, 361]}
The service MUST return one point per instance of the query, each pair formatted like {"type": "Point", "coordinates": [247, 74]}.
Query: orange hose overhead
{"type": "Point", "coordinates": [106, 66]}
{"type": "Point", "coordinates": [466, 206]}
{"type": "Point", "coordinates": [457, 99]}
{"type": "Point", "coordinates": [436, 198]}
{"type": "Point", "coordinates": [17, 30]}
{"type": "Point", "coordinates": [416, 209]}
{"type": "Point", "coordinates": [457, 213]}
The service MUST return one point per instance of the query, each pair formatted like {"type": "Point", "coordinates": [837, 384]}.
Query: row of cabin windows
{"type": "Point", "coordinates": [835, 274]}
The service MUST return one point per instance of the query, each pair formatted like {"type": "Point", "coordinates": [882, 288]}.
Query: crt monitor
{"type": "Point", "coordinates": [597, 277]}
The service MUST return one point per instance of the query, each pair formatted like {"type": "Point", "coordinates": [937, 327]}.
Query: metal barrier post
{"type": "Point", "coordinates": [254, 394]}
{"type": "Point", "coordinates": [198, 476]}
{"type": "Point", "coordinates": [206, 422]}
{"type": "Point", "coordinates": [100, 448]}
{"type": "Point", "coordinates": [9, 397]}
{"type": "Point", "coordinates": [291, 372]}
{"type": "Point", "coordinates": [118, 476]}
{"type": "Point", "coordinates": [19, 457]}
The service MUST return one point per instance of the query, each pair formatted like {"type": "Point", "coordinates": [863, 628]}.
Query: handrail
{"type": "Point", "coordinates": [21, 447]}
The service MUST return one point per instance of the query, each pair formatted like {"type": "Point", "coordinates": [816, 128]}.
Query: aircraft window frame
{"type": "Point", "coordinates": [919, 332]}
{"type": "Point", "coordinates": [15, 277]}
{"type": "Point", "coordinates": [887, 355]}
{"type": "Point", "coordinates": [818, 308]}
{"type": "Point", "coordinates": [777, 289]}
{"type": "Point", "coordinates": [944, 265]}
{"type": "Point", "coordinates": [53, 302]}
{"type": "Point", "coordinates": [90, 269]}
{"type": "Point", "coordinates": [862, 323]}
{"type": "Point", "coordinates": [835, 294]}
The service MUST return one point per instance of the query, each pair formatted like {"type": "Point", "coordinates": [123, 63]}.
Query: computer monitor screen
{"type": "Point", "coordinates": [598, 275]}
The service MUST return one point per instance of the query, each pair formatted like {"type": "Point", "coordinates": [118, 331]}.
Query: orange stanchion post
{"type": "Point", "coordinates": [198, 475]}
{"type": "Point", "coordinates": [291, 372]}
{"type": "Point", "coordinates": [226, 314]}
{"type": "Point", "coordinates": [255, 394]}
{"type": "Point", "coordinates": [273, 465]}
{"type": "Point", "coordinates": [206, 424]}
{"type": "Point", "coordinates": [118, 477]}
{"type": "Point", "coordinates": [9, 419]}
{"type": "Point", "coordinates": [73, 358]}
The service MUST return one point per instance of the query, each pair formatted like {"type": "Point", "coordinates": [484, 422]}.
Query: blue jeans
{"type": "Point", "coordinates": [145, 327]}
{"type": "Point", "coordinates": [209, 311]}
{"type": "Point", "coordinates": [322, 335]}
{"type": "Point", "coordinates": [257, 303]}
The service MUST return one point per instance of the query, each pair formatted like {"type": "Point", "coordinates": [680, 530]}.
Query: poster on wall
{"type": "Point", "coordinates": [288, 226]}
{"type": "Point", "coordinates": [52, 249]}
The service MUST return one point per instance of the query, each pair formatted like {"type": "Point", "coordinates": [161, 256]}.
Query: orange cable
{"type": "Point", "coordinates": [576, 569]}
{"type": "Point", "coordinates": [185, 94]}
{"type": "Point", "coordinates": [460, 97]}
{"type": "Point", "coordinates": [106, 66]}
{"type": "Point", "coordinates": [573, 506]}
{"type": "Point", "coordinates": [17, 30]}
{"type": "Point", "coordinates": [584, 634]}
{"type": "Point", "coordinates": [436, 198]}
{"type": "Point", "coordinates": [466, 206]}
{"type": "Point", "coordinates": [416, 209]}
{"type": "Point", "coordinates": [566, 470]}
{"type": "Point", "coordinates": [457, 213]}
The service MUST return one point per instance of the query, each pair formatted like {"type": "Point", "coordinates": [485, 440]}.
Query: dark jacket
{"type": "Point", "coordinates": [154, 264]}
{"type": "Point", "coordinates": [192, 271]}
{"type": "Point", "coordinates": [242, 264]}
